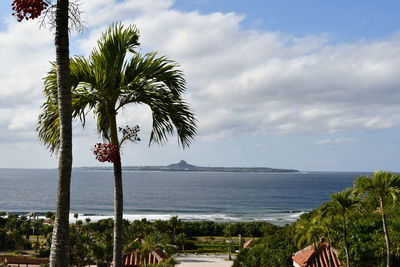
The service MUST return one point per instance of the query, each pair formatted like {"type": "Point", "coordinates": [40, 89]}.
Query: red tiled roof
{"type": "Point", "coordinates": [132, 259]}
{"type": "Point", "coordinates": [309, 257]}
{"type": "Point", "coordinates": [302, 256]}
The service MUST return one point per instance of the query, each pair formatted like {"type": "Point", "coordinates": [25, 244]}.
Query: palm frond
{"type": "Point", "coordinates": [48, 126]}
{"type": "Point", "coordinates": [158, 83]}
{"type": "Point", "coordinates": [103, 126]}
{"type": "Point", "coordinates": [168, 111]}
{"type": "Point", "coordinates": [109, 59]}
{"type": "Point", "coordinates": [107, 81]}
{"type": "Point", "coordinates": [152, 71]}
{"type": "Point", "coordinates": [381, 184]}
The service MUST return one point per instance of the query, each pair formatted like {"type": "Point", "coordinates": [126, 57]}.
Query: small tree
{"type": "Point", "coordinates": [341, 204]}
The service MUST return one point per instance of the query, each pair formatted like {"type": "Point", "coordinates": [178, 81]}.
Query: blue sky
{"type": "Point", "coordinates": [311, 85]}
{"type": "Point", "coordinates": [345, 20]}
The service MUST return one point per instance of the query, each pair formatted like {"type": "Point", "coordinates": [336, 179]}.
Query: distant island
{"type": "Point", "coordinates": [184, 166]}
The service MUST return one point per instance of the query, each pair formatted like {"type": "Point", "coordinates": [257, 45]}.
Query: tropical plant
{"type": "Point", "coordinates": [381, 186]}
{"type": "Point", "coordinates": [37, 226]}
{"type": "Point", "coordinates": [154, 240]}
{"type": "Point", "coordinates": [24, 9]}
{"type": "Point", "coordinates": [341, 204]}
{"type": "Point", "coordinates": [174, 223]}
{"type": "Point", "coordinates": [309, 230]}
{"type": "Point", "coordinates": [102, 245]}
{"type": "Point", "coordinates": [112, 77]}
{"type": "Point", "coordinates": [180, 240]}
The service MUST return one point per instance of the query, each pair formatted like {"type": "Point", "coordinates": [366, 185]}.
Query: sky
{"type": "Point", "coordinates": [309, 85]}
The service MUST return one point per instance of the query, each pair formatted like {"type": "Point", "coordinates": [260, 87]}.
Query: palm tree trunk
{"type": "Point", "coordinates": [118, 194]}
{"type": "Point", "coordinates": [385, 231]}
{"type": "Point", "coordinates": [59, 254]}
{"type": "Point", "coordinates": [346, 249]}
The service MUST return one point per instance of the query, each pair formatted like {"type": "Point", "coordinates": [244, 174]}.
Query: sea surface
{"type": "Point", "coordinates": [275, 197]}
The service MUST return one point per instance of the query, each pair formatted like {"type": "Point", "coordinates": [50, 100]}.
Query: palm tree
{"type": "Point", "coordinates": [154, 240]}
{"type": "Point", "coordinates": [37, 227]}
{"type": "Point", "coordinates": [340, 204]}
{"type": "Point", "coordinates": [112, 77]}
{"type": "Point", "coordinates": [59, 255]}
{"type": "Point", "coordinates": [381, 186]}
{"type": "Point", "coordinates": [180, 240]}
{"type": "Point", "coordinates": [174, 223]}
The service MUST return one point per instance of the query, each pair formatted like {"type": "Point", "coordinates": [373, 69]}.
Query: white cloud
{"type": "Point", "coordinates": [240, 81]}
{"type": "Point", "coordinates": [25, 54]}
{"type": "Point", "coordinates": [251, 83]}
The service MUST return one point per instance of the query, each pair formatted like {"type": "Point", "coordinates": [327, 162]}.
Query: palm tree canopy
{"type": "Point", "coordinates": [340, 203]}
{"type": "Point", "coordinates": [113, 76]}
{"type": "Point", "coordinates": [381, 184]}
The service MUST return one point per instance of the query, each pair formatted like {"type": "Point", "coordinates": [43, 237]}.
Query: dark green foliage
{"type": "Point", "coordinates": [366, 241]}
{"type": "Point", "coordinates": [274, 249]}
{"type": "Point", "coordinates": [352, 219]}
{"type": "Point", "coordinates": [44, 253]}
{"type": "Point", "coordinates": [15, 231]}
{"type": "Point", "coordinates": [209, 228]}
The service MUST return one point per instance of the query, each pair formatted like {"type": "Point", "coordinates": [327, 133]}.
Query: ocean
{"type": "Point", "coordinates": [225, 197]}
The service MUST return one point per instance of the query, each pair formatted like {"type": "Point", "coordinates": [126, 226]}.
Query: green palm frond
{"type": "Point", "coordinates": [151, 71]}
{"type": "Point", "coordinates": [343, 201]}
{"type": "Point", "coordinates": [103, 126]}
{"type": "Point", "coordinates": [48, 126]}
{"type": "Point", "coordinates": [109, 59]}
{"type": "Point", "coordinates": [158, 83]}
{"type": "Point", "coordinates": [168, 111]}
{"type": "Point", "coordinates": [110, 79]}
{"type": "Point", "coordinates": [381, 184]}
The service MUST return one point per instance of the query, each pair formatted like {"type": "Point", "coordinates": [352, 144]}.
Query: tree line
{"type": "Point", "coordinates": [92, 242]}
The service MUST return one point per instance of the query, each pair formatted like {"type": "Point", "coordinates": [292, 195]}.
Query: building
{"type": "Point", "coordinates": [324, 256]}
{"type": "Point", "coordinates": [132, 258]}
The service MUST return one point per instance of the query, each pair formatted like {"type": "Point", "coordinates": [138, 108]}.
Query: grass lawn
{"type": "Point", "coordinates": [213, 244]}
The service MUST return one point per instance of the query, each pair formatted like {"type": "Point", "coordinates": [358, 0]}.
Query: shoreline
{"type": "Point", "coordinates": [279, 219]}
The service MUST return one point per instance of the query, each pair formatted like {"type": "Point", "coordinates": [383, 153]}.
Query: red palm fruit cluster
{"type": "Point", "coordinates": [106, 152]}
{"type": "Point", "coordinates": [28, 9]}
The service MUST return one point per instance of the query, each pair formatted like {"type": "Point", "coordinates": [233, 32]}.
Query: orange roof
{"type": "Point", "coordinates": [309, 257]}
{"type": "Point", "coordinates": [303, 256]}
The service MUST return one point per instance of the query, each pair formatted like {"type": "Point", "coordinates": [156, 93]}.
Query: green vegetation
{"type": "Point", "coordinates": [19, 233]}
{"type": "Point", "coordinates": [91, 242]}
{"type": "Point", "coordinates": [362, 223]}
